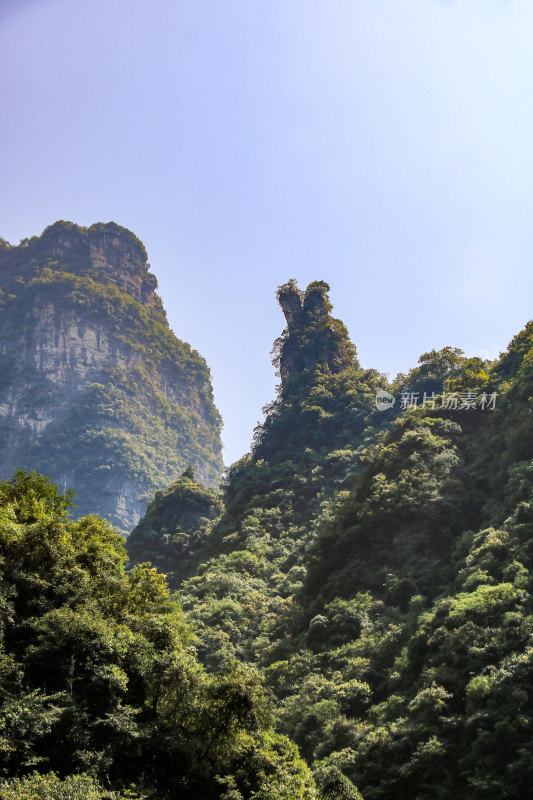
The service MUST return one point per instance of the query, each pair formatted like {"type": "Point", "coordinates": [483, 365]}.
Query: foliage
{"type": "Point", "coordinates": [45, 787]}
{"type": "Point", "coordinates": [376, 568]}
{"type": "Point", "coordinates": [133, 423]}
{"type": "Point", "coordinates": [100, 685]}
{"type": "Point", "coordinates": [175, 527]}
{"type": "Point", "coordinates": [371, 571]}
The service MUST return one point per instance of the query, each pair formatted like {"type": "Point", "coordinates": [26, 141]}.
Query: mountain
{"type": "Point", "coordinates": [95, 389]}
{"type": "Point", "coordinates": [376, 566]}
{"type": "Point", "coordinates": [175, 526]}
{"type": "Point", "coordinates": [354, 616]}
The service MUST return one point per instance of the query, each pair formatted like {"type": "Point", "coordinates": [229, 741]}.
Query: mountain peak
{"type": "Point", "coordinates": [94, 391]}
{"type": "Point", "coordinates": [313, 338]}
{"type": "Point", "coordinates": [105, 251]}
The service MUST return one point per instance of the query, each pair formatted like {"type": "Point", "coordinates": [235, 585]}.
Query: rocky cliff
{"type": "Point", "coordinates": [95, 389]}
{"type": "Point", "coordinates": [313, 338]}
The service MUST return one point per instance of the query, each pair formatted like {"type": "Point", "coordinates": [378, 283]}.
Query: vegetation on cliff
{"type": "Point", "coordinates": [375, 566]}
{"type": "Point", "coordinates": [175, 527]}
{"type": "Point", "coordinates": [363, 580]}
{"type": "Point", "coordinates": [95, 389]}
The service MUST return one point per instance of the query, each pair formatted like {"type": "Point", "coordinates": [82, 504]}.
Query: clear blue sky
{"type": "Point", "coordinates": [384, 146]}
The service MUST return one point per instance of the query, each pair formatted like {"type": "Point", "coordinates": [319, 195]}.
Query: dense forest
{"type": "Point", "coordinates": [349, 617]}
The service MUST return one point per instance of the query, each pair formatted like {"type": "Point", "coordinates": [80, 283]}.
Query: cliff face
{"type": "Point", "coordinates": [313, 338]}
{"type": "Point", "coordinates": [95, 390]}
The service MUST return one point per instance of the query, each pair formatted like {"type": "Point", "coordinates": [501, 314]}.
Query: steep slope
{"type": "Point", "coordinates": [377, 566]}
{"type": "Point", "coordinates": [427, 673]}
{"type": "Point", "coordinates": [308, 447]}
{"type": "Point", "coordinates": [175, 527]}
{"type": "Point", "coordinates": [95, 389]}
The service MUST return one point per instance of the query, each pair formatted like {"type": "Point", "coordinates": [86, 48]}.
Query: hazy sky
{"type": "Point", "coordinates": [384, 146]}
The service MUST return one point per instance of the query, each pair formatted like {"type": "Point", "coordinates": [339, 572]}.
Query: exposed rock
{"type": "Point", "coordinates": [313, 338]}
{"type": "Point", "coordinates": [290, 300]}
{"type": "Point", "coordinates": [95, 390]}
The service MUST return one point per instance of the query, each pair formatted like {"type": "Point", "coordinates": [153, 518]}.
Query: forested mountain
{"type": "Point", "coordinates": [354, 614]}
{"type": "Point", "coordinates": [175, 527]}
{"type": "Point", "coordinates": [95, 389]}
{"type": "Point", "coordinates": [375, 565]}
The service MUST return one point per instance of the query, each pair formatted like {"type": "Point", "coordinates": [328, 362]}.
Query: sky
{"type": "Point", "coordinates": [384, 146]}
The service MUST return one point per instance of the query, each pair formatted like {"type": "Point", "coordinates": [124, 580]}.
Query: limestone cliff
{"type": "Point", "coordinates": [95, 389]}
{"type": "Point", "coordinates": [313, 338]}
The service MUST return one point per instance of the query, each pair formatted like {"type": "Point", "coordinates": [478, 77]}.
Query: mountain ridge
{"type": "Point", "coordinates": [376, 566]}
